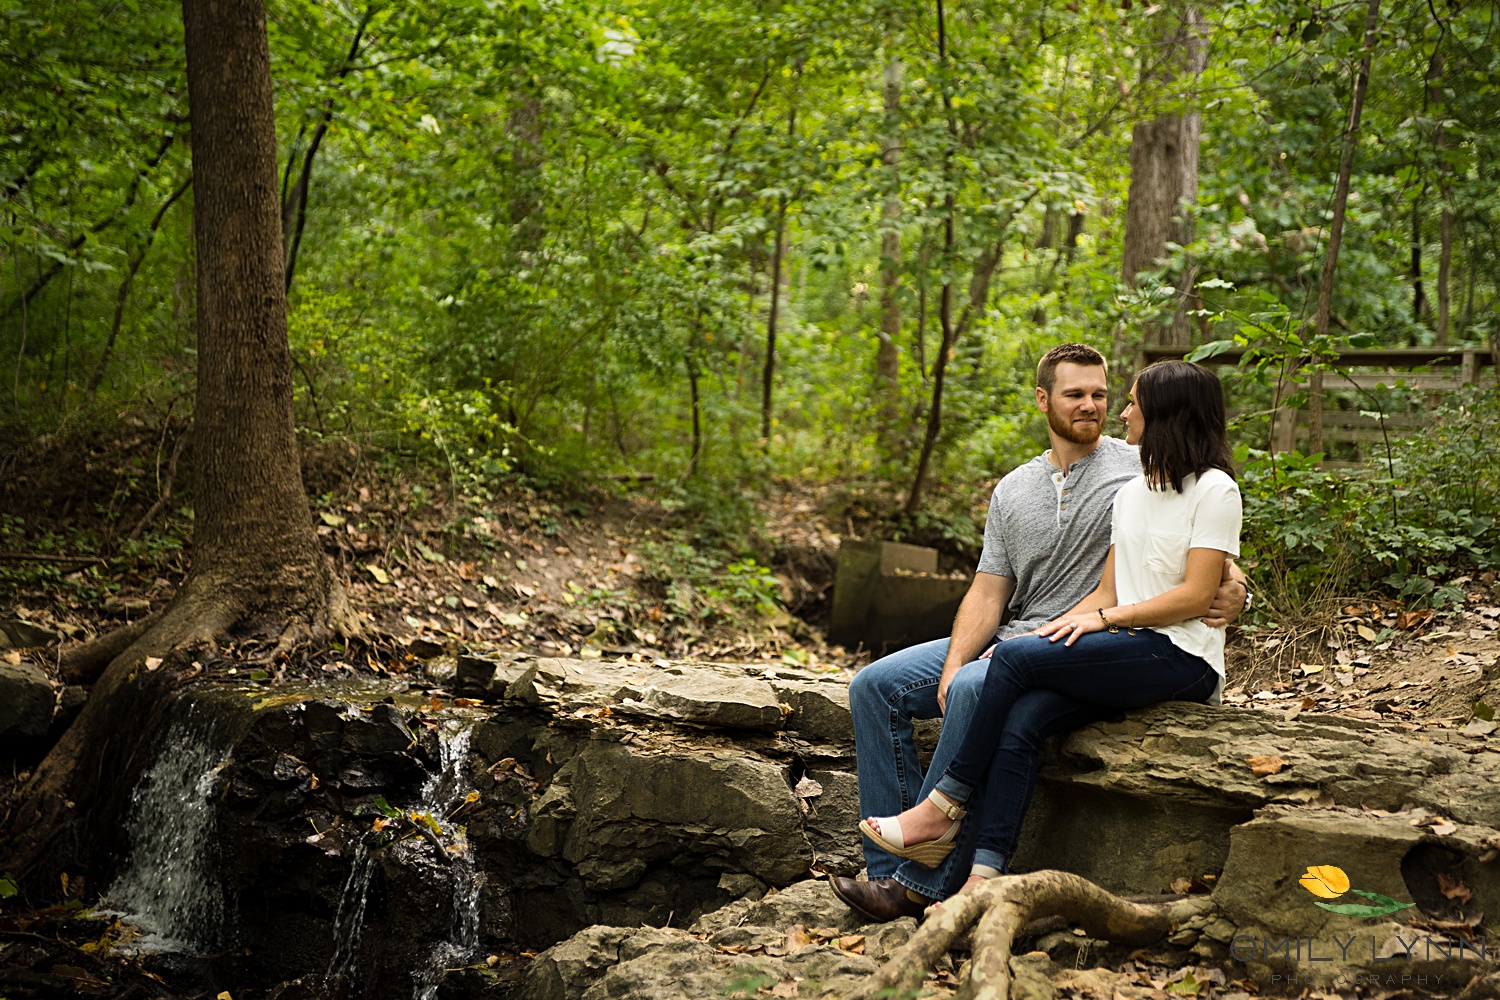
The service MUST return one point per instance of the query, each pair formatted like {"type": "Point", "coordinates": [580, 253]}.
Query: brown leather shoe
{"type": "Point", "coordinates": [880, 901]}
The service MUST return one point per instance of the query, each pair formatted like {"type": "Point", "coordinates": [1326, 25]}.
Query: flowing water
{"type": "Point", "coordinates": [442, 796]}
{"type": "Point", "coordinates": [170, 888]}
{"type": "Point", "coordinates": [350, 922]}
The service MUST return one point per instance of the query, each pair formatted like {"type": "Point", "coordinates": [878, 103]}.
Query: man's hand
{"type": "Point", "coordinates": [943, 682]}
{"type": "Point", "coordinates": [947, 678]}
{"type": "Point", "coordinates": [1229, 602]}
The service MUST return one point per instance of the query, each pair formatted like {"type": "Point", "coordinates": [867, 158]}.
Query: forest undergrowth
{"type": "Point", "coordinates": [610, 568]}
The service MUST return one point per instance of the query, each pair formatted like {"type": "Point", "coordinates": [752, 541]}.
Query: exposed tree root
{"type": "Point", "coordinates": [71, 804]}
{"type": "Point", "coordinates": [1001, 908]}
{"type": "Point", "coordinates": [83, 662]}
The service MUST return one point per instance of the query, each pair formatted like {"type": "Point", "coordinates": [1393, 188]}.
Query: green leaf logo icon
{"type": "Point", "coordinates": [1383, 905]}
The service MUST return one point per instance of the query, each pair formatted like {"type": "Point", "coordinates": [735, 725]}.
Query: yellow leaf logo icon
{"type": "Point", "coordinates": [1326, 881]}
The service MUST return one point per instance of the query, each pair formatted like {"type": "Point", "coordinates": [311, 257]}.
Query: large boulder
{"type": "Point", "coordinates": [1138, 803]}
{"type": "Point", "coordinates": [26, 702]}
{"type": "Point", "coordinates": [613, 811]}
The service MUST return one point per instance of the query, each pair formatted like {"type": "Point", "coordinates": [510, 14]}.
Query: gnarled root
{"type": "Point", "coordinates": [1001, 907]}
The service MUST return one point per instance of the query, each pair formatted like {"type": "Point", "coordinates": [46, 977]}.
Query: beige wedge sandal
{"type": "Point", "coordinates": [928, 853]}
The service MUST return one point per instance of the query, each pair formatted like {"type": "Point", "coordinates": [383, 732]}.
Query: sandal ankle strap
{"type": "Point", "coordinates": [952, 810]}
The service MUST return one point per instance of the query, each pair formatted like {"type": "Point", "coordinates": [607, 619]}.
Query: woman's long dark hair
{"type": "Point", "coordinates": [1183, 405]}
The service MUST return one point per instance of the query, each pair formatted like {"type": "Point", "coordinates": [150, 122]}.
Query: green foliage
{"type": "Point", "coordinates": [702, 583]}
{"type": "Point", "coordinates": [1408, 526]}
{"type": "Point", "coordinates": [539, 241]}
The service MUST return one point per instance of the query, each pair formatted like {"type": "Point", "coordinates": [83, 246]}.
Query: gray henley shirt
{"type": "Point", "coordinates": [1050, 532]}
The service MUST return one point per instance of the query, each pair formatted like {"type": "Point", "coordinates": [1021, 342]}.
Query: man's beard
{"type": "Point", "coordinates": [1072, 434]}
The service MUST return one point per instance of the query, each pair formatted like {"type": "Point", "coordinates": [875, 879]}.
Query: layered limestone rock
{"type": "Point", "coordinates": [800, 941]}
{"type": "Point", "coordinates": [589, 792]}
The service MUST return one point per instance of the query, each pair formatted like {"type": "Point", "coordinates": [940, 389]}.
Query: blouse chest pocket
{"type": "Point", "coordinates": [1166, 554]}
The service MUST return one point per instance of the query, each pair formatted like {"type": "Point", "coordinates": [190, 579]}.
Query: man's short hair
{"type": "Point", "coordinates": [1078, 354]}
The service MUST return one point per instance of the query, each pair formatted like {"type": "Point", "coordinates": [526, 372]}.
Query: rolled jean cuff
{"type": "Point", "coordinates": [983, 857]}
{"type": "Point", "coordinates": [953, 789]}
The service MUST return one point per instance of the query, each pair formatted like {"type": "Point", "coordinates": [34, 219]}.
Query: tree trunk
{"type": "Point", "coordinates": [1164, 175]}
{"type": "Point", "coordinates": [945, 306]}
{"type": "Point", "coordinates": [888, 357]}
{"type": "Point", "coordinates": [1445, 263]}
{"type": "Point", "coordinates": [768, 371]}
{"type": "Point", "coordinates": [696, 407]}
{"type": "Point", "coordinates": [773, 315]}
{"type": "Point", "coordinates": [1418, 293]}
{"type": "Point", "coordinates": [256, 560]}
{"type": "Point", "coordinates": [1340, 203]}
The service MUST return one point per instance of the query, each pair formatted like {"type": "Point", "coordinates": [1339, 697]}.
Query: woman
{"type": "Point", "coordinates": [1136, 640]}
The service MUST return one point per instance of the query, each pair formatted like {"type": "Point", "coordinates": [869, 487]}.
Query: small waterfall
{"type": "Point", "coordinates": [169, 888]}
{"type": "Point", "coordinates": [442, 796]}
{"type": "Point", "coordinates": [350, 922]}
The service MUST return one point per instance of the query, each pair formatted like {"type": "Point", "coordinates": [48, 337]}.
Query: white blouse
{"type": "Point", "coordinates": [1152, 531]}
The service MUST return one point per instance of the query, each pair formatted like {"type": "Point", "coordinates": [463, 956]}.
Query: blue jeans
{"type": "Point", "coordinates": [884, 698]}
{"type": "Point", "coordinates": [1028, 682]}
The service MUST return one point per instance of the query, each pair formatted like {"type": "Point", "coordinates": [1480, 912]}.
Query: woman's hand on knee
{"type": "Point", "coordinates": [1070, 626]}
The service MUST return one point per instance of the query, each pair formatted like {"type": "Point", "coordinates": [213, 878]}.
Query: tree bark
{"type": "Point", "coordinates": [1336, 226]}
{"type": "Point", "coordinates": [256, 560]}
{"type": "Point", "coordinates": [1164, 175]}
{"type": "Point", "coordinates": [888, 356]}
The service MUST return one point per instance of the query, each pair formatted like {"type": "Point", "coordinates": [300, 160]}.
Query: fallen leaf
{"type": "Point", "coordinates": [1444, 829]}
{"type": "Point", "coordinates": [797, 937]}
{"type": "Point", "coordinates": [1411, 619]}
{"type": "Point", "coordinates": [333, 521]}
{"type": "Point", "coordinates": [1367, 633]}
{"type": "Point", "coordinates": [808, 788]}
{"type": "Point", "coordinates": [10, 656]}
{"type": "Point", "coordinates": [1452, 888]}
{"type": "Point", "coordinates": [1264, 765]}
{"type": "Point", "coordinates": [1308, 669]}
{"type": "Point", "coordinates": [852, 943]}
{"type": "Point", "coordinates": [380, 575]}
{"type": "Point", "coordinates": [466, 702]}
{"type": "Point", "coordinates": [153, 662]}
{"type": "Point", "coordinates": [489, 581]}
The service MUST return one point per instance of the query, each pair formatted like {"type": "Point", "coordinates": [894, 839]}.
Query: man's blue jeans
{"type": "Point", "coordinates": [1021, 702]}
{"type": "Point", "coordinates": [884, 698]}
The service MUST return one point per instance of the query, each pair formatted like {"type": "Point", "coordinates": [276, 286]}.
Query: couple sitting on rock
{"type": "Point", "coordinates": [1113, 559]}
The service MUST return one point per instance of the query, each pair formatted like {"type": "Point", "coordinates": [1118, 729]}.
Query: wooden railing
{"type": "Point", "coordinates": [1447, 368]}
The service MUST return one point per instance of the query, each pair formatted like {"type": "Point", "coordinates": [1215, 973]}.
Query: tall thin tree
{"type": "Point", "coordinates": [1336, 226]}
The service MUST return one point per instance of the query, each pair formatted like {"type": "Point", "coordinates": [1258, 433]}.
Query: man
{"type": "Point", "coordinates": [1045, 541]}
